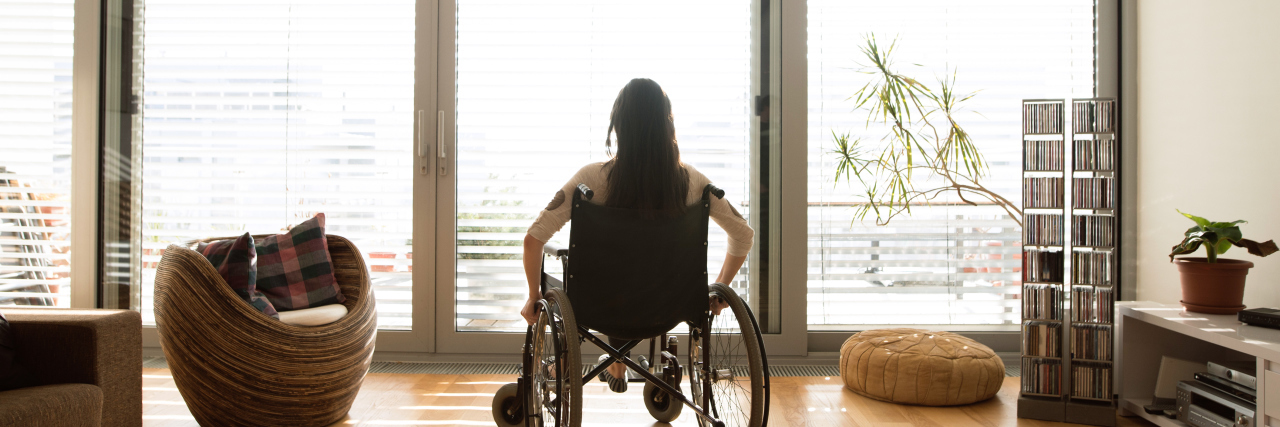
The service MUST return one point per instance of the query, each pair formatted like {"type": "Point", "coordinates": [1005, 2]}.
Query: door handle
{"type": "Point", "coordinates": [422, 150]}
{"type": "Point", "coordinates": [440, 150]}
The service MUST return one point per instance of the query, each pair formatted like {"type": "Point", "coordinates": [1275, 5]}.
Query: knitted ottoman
{"type": "Point", "coordinates": [919, 367]}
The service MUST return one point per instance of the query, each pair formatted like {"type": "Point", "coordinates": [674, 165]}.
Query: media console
{"type": "Point", "coordinates": [1148, 331]}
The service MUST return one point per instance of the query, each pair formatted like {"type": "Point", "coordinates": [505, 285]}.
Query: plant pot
{"type": "Point", "coordinates": [382, 268]}
{"type": "Point", "coordinates": [1216, 288]}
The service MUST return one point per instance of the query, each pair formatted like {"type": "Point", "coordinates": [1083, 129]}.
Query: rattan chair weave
{"type": "Point", "coordinates": [235, 366]}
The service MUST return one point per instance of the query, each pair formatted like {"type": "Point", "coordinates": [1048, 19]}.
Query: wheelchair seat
{"type": "Point", "coordinates": [636, 275]}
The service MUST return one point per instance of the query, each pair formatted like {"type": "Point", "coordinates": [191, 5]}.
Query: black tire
{"type": "Point", "coordinates": [661, 405]}
{"type": "Point", "coordinates": [729, 340]}
{"type": "Point", "coordinates": [504, 399]}
{"type": "Point", "coordinates": [556, 384]}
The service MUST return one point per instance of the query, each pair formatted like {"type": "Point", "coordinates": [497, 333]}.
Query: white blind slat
{"type": "Point", "coordinates": [255, 123]}
{"type": "Point", "coordinates": [1007, 49]}
{"type": "Point", "coordinates": [35, 142]}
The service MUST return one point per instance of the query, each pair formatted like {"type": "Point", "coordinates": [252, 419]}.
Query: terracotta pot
{"type": "Point", "coordinates": [1216, 288]}
{"type": "Point", "coordinates": [382, 268]}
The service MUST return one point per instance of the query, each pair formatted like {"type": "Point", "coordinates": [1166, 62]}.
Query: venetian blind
{"type": "Point", "coordinates": [535, 85]}
{"type": "Point", "coordinates": [35, 151]}
{"type": "Point", "coordinates": [259, 115]}
{"type": "Point", "coordinates": [948, 264]}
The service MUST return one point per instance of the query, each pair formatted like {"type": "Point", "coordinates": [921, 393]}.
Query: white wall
{"type": "Point", "coordinates": [1207, 98]}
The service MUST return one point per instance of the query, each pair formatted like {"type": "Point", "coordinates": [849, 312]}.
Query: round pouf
{"type": "Point", "coordinates": [919, 367]}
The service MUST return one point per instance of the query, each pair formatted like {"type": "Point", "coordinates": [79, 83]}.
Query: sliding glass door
{"type": "Point", "coordinates": [533, 86]}
{"type": "Point", "coordinates": [255, 123]}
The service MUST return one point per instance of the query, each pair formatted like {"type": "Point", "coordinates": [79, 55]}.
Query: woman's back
{"type": "Point", "coordinates": [596, 175]}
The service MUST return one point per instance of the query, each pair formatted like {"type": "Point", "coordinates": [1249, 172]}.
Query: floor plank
{"type": "Point", "coordinates": [464, 400]}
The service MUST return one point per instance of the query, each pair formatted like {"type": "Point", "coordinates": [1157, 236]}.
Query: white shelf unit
{"type": "Point", "coordinates": [1147, 331]}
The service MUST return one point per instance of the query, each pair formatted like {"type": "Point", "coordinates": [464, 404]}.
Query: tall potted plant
{"type": "Point", "coordinates": [1211, 284]}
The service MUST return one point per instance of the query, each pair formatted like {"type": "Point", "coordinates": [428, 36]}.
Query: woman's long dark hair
{"type": "Point", "coordinates": [646, 170]}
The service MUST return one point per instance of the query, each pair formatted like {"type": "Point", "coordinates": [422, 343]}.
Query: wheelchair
{"type": "Point", "coordinates": [604, 289]}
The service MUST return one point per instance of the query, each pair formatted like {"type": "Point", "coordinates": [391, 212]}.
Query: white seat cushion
{"type": "Point", "coordinates": [314, 316]}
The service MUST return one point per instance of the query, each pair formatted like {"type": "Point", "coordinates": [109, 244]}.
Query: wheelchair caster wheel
{"type": "Point", "coordinates": [662, 406]}
{"type": "Point", "coordinates": [503, 401]}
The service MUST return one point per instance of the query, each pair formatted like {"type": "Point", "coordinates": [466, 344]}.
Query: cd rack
{"type": "Point", "coordinates": [1070, 259]}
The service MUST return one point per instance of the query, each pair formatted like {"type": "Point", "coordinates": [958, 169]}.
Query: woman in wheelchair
{"type": "Point", "coordinates": [639, 235]}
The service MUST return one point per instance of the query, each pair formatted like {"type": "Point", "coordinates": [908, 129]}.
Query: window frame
{"type": "Point", "coordinates": [434, 91]}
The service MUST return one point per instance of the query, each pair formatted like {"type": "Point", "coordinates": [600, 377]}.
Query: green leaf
{"type": "Point", "coordinates": [1209, 237]}
{"type": "Point", "coordinates": [1199, 221]}
{"type": "Point", "coordinates": [1223, 246]}
{"type": "Point", "coordinates": [1188, 245]}
{"type": "Point", "coordinates": [1228, 234]}
{"type": "Point", "coordinates": [1227, 224]}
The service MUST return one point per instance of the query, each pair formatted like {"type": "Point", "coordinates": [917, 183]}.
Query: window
{"type": "Point", "coordinates": [35, 139]}
{"type": "Point", "coordinates": [535, 85]}
{"type": "Point", "coordinates": [947, 264]}
{"type": "Point", "coordinates": [256, 122]}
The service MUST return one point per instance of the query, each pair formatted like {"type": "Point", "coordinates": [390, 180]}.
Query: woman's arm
{"type": "Point", "coordinates": [732, 263]}
{"type": "Point", "coordinates": [730, 268]}
{"type": "Point", "coordinates": [533, 273]}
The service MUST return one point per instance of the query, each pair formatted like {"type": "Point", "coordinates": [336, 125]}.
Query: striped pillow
{"type": "Point", "coordinates": [295, 270]}
{"type": "Point", "coordinates": [234, 260]}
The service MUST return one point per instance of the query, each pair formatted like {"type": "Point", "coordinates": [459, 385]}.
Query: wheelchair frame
{"type": "Point", "coordinates": [671, 370]}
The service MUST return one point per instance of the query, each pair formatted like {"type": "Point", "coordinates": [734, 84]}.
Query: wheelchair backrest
{"type": "Point", "coordinates": [632, 276]}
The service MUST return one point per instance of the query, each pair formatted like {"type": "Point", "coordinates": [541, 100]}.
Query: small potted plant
{"type": "Point", "coordinates": [1211, 284]}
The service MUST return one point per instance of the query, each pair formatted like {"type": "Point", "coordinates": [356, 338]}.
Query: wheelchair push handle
{"type": "Point", "coordinates": [585, 191]}
{"type": "Point", "coordinates": [711, 189]}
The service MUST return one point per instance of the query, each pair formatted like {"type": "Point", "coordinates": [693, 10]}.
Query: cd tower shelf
{"type": "Point", "coordinates": [1069, 260]}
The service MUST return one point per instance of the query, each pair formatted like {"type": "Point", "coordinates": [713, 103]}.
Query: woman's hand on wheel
{"type": "Point", "coordinates": [718, 304]}
{"type": "Point", "coordinates": [530, 310]}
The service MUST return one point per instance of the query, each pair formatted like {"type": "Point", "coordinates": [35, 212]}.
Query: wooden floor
{"type": "Point", "coordinates": [464, 400]}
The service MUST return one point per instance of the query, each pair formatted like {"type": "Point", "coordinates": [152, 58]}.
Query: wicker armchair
{"type": "Point", "coordinates": [236, 366]}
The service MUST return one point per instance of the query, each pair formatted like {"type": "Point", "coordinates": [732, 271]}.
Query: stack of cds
{"type": "Point", "coordinates": [1093, 116]}
{"type": "Point", "coordinates": [1091, 380]}
{"type": "Point", "coordinates": [1093, 193]}
{"type": "Point", "coordinates": [1093, 230]}
{"type": "Point", "coordinates": [1094, 268]}
{"type": "Point", "coordinates": [1042, 118]}
{"type": "Point", "coordinates": [1042, 266]}
{"type": "Point", "coordinates": [1042, 192]}
{"type": "Point", "coordinates": [1040, 301]}
{"type": "Point", "coordinates": [1093, 155]}
{"type": "Point", "coordinates": [1092, 304]}
{"type": "Point", "coordinates": [1041, 376]}
{"type": "Point", "coordinates": [1042, 229]}
{"type": "Point", "coordinates": [1042, 339]}
{"type": "Point", "coordinates": [1042, 156]}
{"type": "Point", "coordinates": [1091, 341]}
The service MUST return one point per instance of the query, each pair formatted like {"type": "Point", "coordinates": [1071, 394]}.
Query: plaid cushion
{"type": "Point", "coordinates": [234, 260]}
{"type": "Point", "coordinates": [294, 269]}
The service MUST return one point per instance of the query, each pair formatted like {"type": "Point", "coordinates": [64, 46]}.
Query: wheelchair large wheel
{"type": "Point", "coordinates": [557, 379]}
{"type": "Point", "coordinates": [726, 364]}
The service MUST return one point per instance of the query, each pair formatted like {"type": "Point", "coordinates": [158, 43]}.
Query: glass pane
{"type": "Point", "coordinates": [35, 137]}
{"type": "Point", "coordinates": [535, 84]}
{"type": "Point", "coordinates": [949, 263]}
{"type": "Point", "coordinates": [258, 122]}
